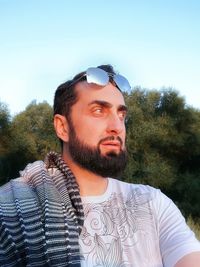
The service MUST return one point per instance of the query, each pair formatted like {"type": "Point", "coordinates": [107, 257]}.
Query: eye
{"type": "Point", "coordinates": [98, 111]}
{"type": "Point", "coordinates": [122, 114]}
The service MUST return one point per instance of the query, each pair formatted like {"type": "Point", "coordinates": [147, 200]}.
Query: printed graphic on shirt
{"type": "Point", "coordinates": [120, 232]}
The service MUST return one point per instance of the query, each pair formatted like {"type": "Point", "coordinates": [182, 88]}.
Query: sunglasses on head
{"type": "Point", "coordinates": [101, 77]}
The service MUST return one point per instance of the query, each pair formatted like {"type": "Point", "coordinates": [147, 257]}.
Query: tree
{"type": "Point", "coordinates": [5, 121]}
{"type": "Point", "coordinates": [4, 127]}
{"type": "Point", "coordinates": [146, 132]}
{"type": "Point", "coordinates": [31, 137]}
{"type": "Point", "coordinates": [163, 140]}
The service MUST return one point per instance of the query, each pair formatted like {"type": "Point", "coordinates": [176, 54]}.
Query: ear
{"type": "Point", "coordinates": [61, 127]}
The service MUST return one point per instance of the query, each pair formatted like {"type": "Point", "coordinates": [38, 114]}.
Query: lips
{"type": "Point", "coordinates": [111, 144]}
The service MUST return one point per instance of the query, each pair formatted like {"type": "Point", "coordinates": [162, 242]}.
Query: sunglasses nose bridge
{"type": "Point", "coordinates": [116, 82]}
{"type": "Point", "coordinates": [113, 82]}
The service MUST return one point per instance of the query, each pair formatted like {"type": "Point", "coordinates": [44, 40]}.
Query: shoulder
{"type": "Point", "coordinates": [159, 204]}
{"type": "Point", "coordinates": [131, 186]}
{"type": "Point", "coordinates": [175, 237]}
{"type": "Point", "coordinates": [158, 201]}
{"type": "Point", "coordinates": [32, 170]}
{"type": "Point", "coordinates": [22, 186]}
{"type": "Point", "coordinates": [139, 191]}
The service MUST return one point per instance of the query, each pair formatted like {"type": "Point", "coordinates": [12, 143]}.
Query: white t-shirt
{"type": "Point", "coordinates": [133, 226]}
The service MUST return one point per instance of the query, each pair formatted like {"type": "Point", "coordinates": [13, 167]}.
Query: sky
{"type": "Point", "coordinates": [154, 44]}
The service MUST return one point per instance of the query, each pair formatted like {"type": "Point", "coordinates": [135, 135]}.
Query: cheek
{"type": "Point", "coordinates": [90, 133]}
{"type": "Point", "coordinates": [123, 137]}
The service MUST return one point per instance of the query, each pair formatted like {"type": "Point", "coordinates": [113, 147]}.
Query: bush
{"type": "Point", "coordinates": [195, 226]}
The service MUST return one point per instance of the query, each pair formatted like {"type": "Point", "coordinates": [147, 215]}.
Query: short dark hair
{"type": "Point", "coordinates": [66, 95]}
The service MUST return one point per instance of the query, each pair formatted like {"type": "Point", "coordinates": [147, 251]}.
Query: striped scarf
{"type": "Point", "coordinates": [41, 217]}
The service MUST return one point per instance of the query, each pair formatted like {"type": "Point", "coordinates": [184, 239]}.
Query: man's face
{"type": "Point", "coordinates": [97, 129]}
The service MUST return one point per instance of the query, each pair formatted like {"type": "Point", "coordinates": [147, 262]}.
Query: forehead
{"type": "Point", "coordinates": [90, 92]}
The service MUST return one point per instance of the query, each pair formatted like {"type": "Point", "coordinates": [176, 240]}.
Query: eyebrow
{"type": "Point", "coordinates": [108, 105]}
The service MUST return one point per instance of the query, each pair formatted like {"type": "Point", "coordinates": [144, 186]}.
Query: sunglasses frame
{"type": "Point", "coordinates": [116, 78]}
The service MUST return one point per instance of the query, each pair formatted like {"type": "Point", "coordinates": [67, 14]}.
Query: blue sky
{"type": "Point", "coordinates": [43, 43]}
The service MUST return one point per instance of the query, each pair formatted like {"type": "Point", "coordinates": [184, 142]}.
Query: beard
{"type": "Point", "coordinates": [109, 165]}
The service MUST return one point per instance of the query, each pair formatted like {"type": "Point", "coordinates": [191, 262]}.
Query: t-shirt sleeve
{"type": "Point", "coordinates": [176, 238]}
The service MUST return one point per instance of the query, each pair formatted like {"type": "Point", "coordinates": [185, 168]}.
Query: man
{"type": "Point", "coordinates": [66, 211]}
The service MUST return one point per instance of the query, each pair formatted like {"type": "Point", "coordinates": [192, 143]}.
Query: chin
{"type": "Point", "coordinates": [111, 154]}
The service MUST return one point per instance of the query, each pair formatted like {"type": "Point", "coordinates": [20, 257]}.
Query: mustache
{"type": "Point", "coordinates": [111, 138]}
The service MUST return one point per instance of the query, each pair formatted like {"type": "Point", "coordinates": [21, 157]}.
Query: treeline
{"type": "Point", "coordinates": [163, 140]}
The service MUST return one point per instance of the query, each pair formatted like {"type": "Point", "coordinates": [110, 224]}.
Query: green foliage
{"type": "Point", "coordinates": [35, 127]}
{"type": "Point", "coordinates": [186, 191]}
{"type": "Point", "coordinates": [5, 122]}
{"type": "Point", "coordinates": [4, 127]}
{"type": "Point", "coordinates": [148, 137]}
{"type": "Point", "coordinates": [195, 226]}
{"type": "Point", "coordinates": [31, 136]}
{"type": "Point", "coordinates": [163, 140]}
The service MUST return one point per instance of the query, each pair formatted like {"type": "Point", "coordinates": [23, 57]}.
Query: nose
{"type": "Point", "coordinates": [115, 125]}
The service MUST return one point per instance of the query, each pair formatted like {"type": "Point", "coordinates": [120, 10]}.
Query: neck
{"type": "Point", "coordinates": [90, 184]}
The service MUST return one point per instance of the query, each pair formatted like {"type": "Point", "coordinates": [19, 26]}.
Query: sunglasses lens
{"type": "Point", "coordinates": [122, 83]}
{"type": "Point", "coordinates": [97, 76]}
